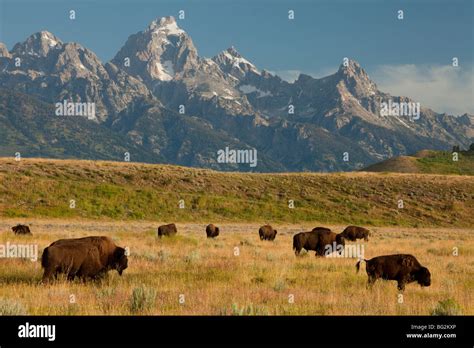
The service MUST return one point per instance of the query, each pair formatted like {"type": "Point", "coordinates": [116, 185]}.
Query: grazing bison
{"type": "Point", "coordinates": [21, 229]}
{"type": "Point", "coordinates": [86, 258]}
{"type": "Point", "coordinates": [353, 233]}
{"type": "Point", "coordinates": [212, 231]}
{"type": "Point", "coordinates": [401, 267]}
{"type": "Point", "coordinates": [167, 230]}
{"type": "Point", "coordinates": [320, 239]}
{"type": "Point", "coordinates": [267, 232]}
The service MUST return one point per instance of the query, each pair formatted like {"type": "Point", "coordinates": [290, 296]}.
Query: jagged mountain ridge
{"type": "Point", "coordinates": [158, 71]}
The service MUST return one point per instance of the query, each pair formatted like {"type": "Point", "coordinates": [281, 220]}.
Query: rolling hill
{"type": "Point", "coordinates": [44, 188]}
{"type": "Point", "coordinates": [428, 162]}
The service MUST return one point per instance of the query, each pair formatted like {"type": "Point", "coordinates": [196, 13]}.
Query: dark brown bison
{"type": "Point", "coordinates": [21, 229]}
{"type": "Point", "coordinates": [212, 231]}
{"type": "Point", "coordinates": [353, 233]}
{"type": "Point", "coordinates": [85, 258]}
{"type": "Point", "coordinates": [267, 232]}
{"type": "Point", "coordinates": [322, 240]}
{"type": "Point", "coordinates": [400, 267]}
{"type": "Point", "coordinates": [167, 230]}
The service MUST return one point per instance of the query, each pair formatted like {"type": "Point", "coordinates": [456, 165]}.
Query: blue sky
{"type": "Point", "coordinates": [322, 33]}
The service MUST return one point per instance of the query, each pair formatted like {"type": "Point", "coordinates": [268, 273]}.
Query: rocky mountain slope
{"type": "Point", "coordinates": [164, 103]}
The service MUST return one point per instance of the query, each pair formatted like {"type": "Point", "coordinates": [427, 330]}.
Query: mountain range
{"type": "Point", "coordinates": [161, 102]}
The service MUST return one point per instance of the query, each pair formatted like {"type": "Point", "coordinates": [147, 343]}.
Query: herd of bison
{"type": "Point", "coordinates": [93, 257]}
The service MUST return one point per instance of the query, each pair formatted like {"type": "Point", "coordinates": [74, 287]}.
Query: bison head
{"type": "Point", "coordinates": [121, 260]}
{"type": "Point", "coordinates": [423, 277]}
{"type": "Point", "coordinates": [340, 239]}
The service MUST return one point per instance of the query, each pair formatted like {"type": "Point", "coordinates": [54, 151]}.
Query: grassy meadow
{"type": "Point", "coordinates": [235, 274]}
{"type": "Point", "coordinates": [191, 275]}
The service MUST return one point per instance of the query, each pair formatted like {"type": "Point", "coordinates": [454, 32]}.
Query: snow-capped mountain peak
{"type": "Point", "coordinates": [138, 93]}
{"type": "Point", "coordinates": [356, 79]}
{"type": "Point", "coordinates": [4, 51]}
{"type": "Point", "coordinates": [159, 53]}
{"type": "Point", "coordinates": [232, 62]}
{"type": "Point", "coordinates": [38, 44]}
{"type": "Point", "coordinates": [166, 26]}
{"type": "Point", "coordinates": [50, 39]}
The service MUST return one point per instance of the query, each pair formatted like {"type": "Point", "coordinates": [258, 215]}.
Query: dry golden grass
{"type": "Point", "coordinates": [259, 281]}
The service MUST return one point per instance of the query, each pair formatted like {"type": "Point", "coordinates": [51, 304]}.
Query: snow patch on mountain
{"type": "Point", "coordinates": [231, 62]}
{"type": "Point", "coordinates": [49, 38]}
{"type": "Point", "coordinates": [247, 89]}
{"type": "Point", "coordinates": [164, 72]}
{"type": "Point", "coordinates": [237, 60]}
{"type": "Point", "coordinates": [167, 26]}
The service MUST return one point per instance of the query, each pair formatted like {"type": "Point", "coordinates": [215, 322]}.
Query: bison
{"type": "Point", "coordinates": [320, 239]}
{"type": "Point", "coordinates": [21, 229]}
{"type": "Point", "coordinates": [267, 232]}
{"type": "Point", "coordinates": [167, 230]}
{"type": "Point", "coordinates": [400, 267]}
{"type": "Point", "coordinates": [212, 231]}
{"type": "Point", "coordinates": [85, 258]}
{"type": "Point", "coordinates": [353, 233]}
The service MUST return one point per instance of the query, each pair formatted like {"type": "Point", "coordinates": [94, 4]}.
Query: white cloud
{"type": "Point", "coordinates": [287, 75]}
{"type": "Point", "coordinates": [441, 88]}
{"type": "Point", "coordinates": [292, 75]}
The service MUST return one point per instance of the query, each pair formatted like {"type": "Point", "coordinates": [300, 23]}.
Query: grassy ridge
{"type": "Point", "coordinates": [442, 162]}
{"type": "Point", "coordinates": [131, 191]}
{"type": "Point", "coordinates": [428, 162]}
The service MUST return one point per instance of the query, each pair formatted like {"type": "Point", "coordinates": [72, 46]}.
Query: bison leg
{"type": "Point", "coordinates": [48, 275]}
{"type": "Point", "coordinates": [401, 284]}
{"type": "Point", "coordinates": [71, 276]}
{"type": "Point", "coordinates": [319, 252]}
{"type": "Point", "coordinates": [371, 281]}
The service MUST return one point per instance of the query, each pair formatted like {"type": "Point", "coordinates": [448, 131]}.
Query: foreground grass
{"type": "Point", "coordinates": [131, 191]}
{"type": "Point", "coordinates": [189, 274]}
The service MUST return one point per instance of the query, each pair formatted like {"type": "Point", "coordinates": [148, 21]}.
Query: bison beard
{"type": "Point", "coordinates": [400, 267]}
{"type": "Point", "coordinates": [86, 258]}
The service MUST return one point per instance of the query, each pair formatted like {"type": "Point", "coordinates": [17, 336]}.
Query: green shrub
{"type": "Point", "coordinates": [245, 310]}
{"type": "Point", "coordinates": [447, 307]}
{"type": "Point", "coordinates": [142, 299]}
{"type": "Point", "coordinates": [194, 256]}
{"type": "Point", "coordinates": [9, 307]}
{"type": "Point", "coordinates": [280, 285]}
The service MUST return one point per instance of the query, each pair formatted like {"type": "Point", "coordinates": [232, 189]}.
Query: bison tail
{"type": "Point", "coordinates": [44, 258]}
{"type": "Point", "coordinates": [358, 264]}
{"type": "Point", "coordinates": [295, 243]}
